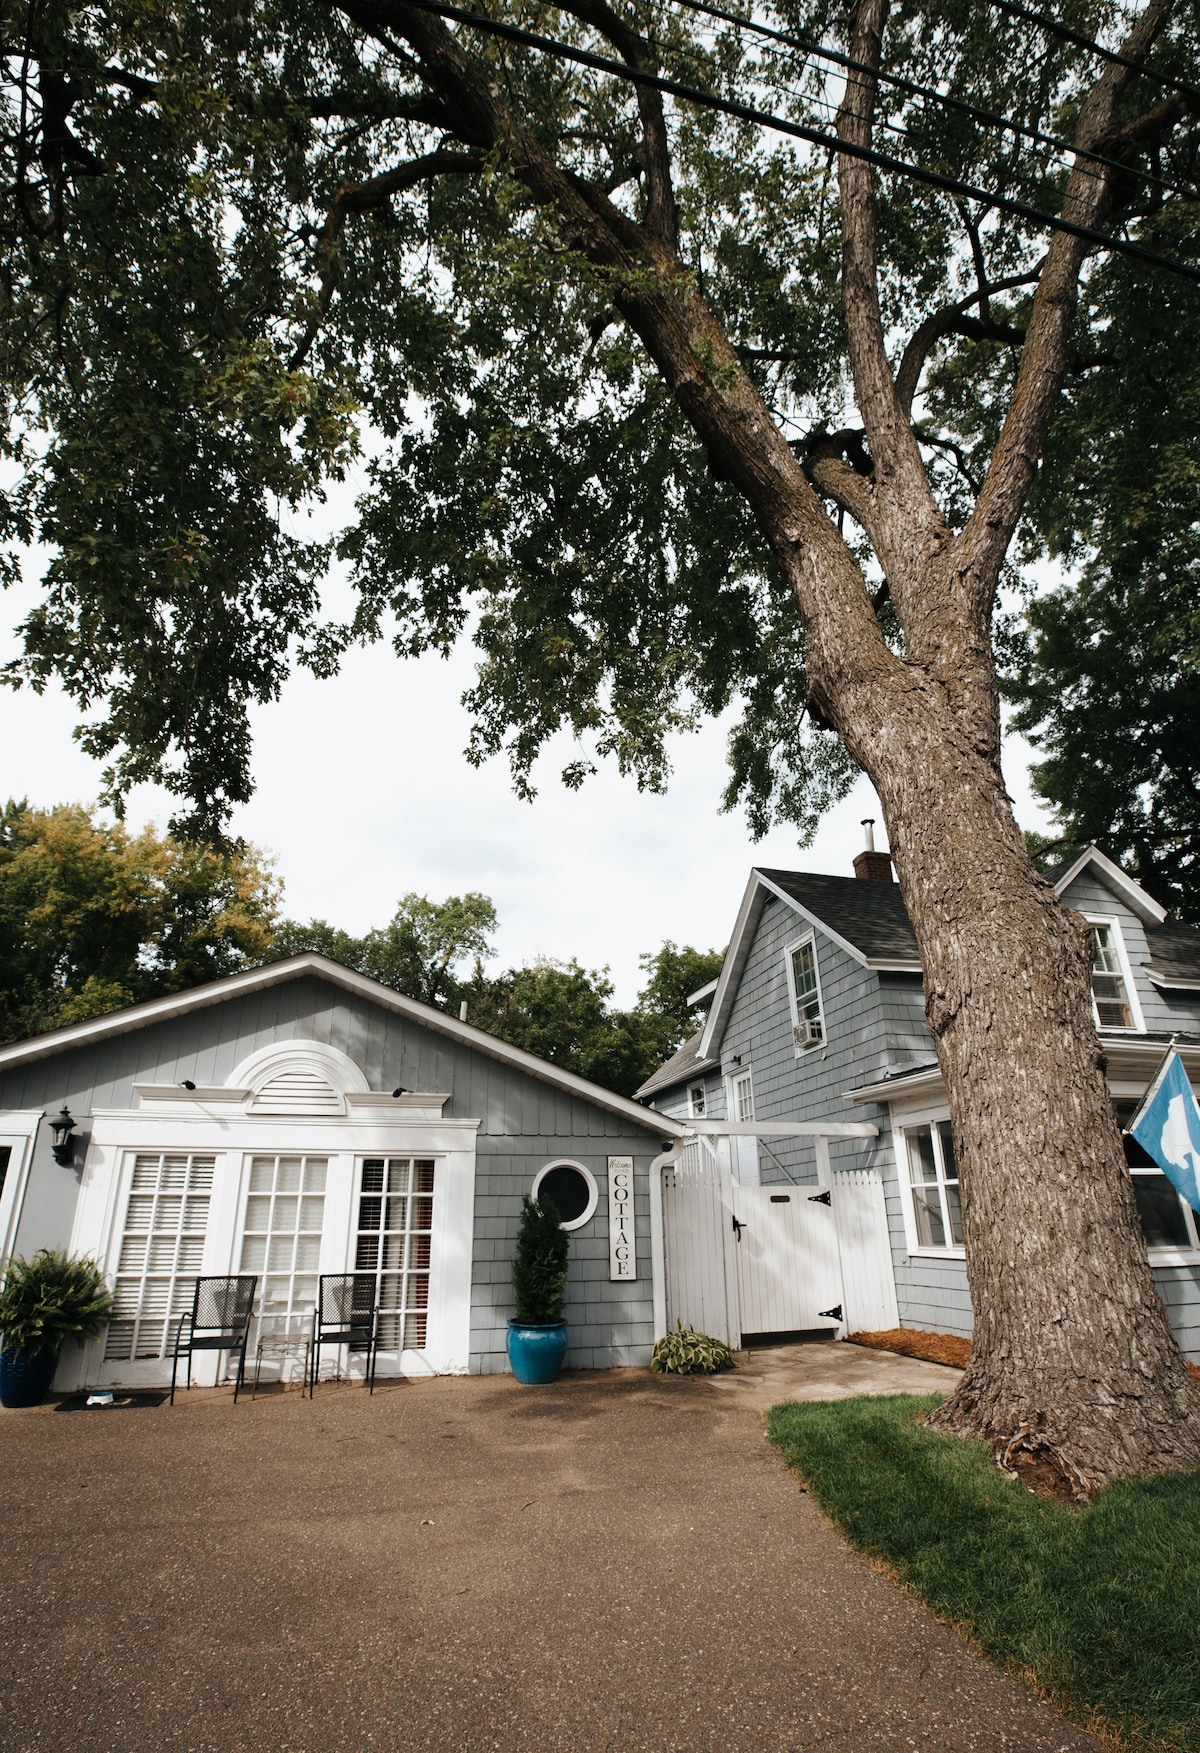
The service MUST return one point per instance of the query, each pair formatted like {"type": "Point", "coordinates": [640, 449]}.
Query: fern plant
{"type": "Point", "coordinates": [50, 1299]}
{"type": "Point", "coordinates": [689, 1353]}
{"type": "Point", "coordinates": [539, 1270]}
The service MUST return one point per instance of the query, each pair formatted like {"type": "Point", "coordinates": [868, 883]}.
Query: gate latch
{"type": "Point", "coordinates": [819, 1198]}
{"type": "Point", "coordinates": [738, 1228]}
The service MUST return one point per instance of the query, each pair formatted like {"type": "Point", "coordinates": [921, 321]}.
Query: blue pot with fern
{"type": "Point", "coordinates": [43, 1303]}
{"type": "Point", "coordinates": [537, 1334]}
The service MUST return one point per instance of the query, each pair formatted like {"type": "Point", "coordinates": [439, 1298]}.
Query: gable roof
{"type": "Point", "coordinates": [1113, 877]}
{"type": "Point", "coordinates": [869, 917]}
{"type": "Point", "coordinates": [140, 1016]}
{"type": "Point", "coordinates": [688, 1062]}
{"type": "Point", "coordinates": [866, 918]}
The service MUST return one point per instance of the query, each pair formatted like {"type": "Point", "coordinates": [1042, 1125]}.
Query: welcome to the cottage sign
{"type": "Point", "coordinates": [622, 1251]}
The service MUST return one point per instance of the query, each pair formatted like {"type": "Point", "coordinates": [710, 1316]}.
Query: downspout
{"type": "Point", "coordinates": [658, 1254]}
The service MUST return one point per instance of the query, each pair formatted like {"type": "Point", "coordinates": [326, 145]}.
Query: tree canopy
{"type": "Point", "coordinates": [246, 242]}
{"type": "Point", "coordinates": [93, 918]}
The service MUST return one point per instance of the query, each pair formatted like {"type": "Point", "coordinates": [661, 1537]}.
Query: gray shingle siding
{"type": "Point", "coordinates": [524, 1124]}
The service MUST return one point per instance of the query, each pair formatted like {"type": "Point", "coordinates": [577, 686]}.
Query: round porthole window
{"type": "Point", "coordinates": [571, 1187]}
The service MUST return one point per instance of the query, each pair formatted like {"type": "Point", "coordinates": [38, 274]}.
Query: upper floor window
{"type": "Point", "coordinates": [696, 1103]}
{"type": "Point", "coordinates": [808, 1025]}
{"type": "Point", "coordinates": [1111, 995]}
{"type": "Point", "coordinates": [933, 1187]}
{"type": "Point", "coordinates": [1168, 1221]}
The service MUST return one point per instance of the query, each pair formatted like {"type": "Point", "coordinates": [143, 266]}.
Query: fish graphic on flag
{"type": "Point", "coordinates": [1167, 1126]}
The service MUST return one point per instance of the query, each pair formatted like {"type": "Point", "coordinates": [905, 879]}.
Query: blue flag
{"type": "Point", "coordinates": [1167, 1126]}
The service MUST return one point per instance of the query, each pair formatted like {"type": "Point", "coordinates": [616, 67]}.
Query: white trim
{"type": "Point", "coordinates": [730, 976]}
{"type": "Point", "coordinates": [566, 1162]}
{"type": "Point", "coordinates": [1115, 878]}
{"type": "Point", "coordinates": [123, 1022]}
{"type": "Point", "coordinates": [692, 1087]}
{"type": "Point", "coordinates": [118, 1134]}
{"type": "Point", "coordinates": [1135, 1007]}
{"type": "Point", "coordinates": [789, 951]}
{"type": "Point", "coordinates": [329, 1063]}
{"type": "Point", "coordinates": [1168, 982]}
{"type": "Point", "coordinates": [18, 1129]}
{"type": "Point", "coordinates": [901, 1151]}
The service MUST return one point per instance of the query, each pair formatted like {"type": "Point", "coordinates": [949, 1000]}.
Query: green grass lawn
{"type": "Point", "coordinates": [1098, 1608]}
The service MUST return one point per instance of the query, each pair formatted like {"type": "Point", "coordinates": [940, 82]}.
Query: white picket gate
{"type": "Point", "coordinates": [774, 1259]}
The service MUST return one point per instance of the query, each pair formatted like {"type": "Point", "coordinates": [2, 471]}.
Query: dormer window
{"type": "Point", "coordinates": [1112, 997]}
{"type": "Point", "coordinates": [808, 1025]}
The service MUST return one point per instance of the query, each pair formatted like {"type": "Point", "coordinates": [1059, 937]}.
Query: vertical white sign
{"type": "Point", "coordinates": [622, 1248]}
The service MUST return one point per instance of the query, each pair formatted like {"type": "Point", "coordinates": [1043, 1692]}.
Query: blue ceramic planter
{"type": "Point", "coordinates": [536, 1352]}
{"type": "Point", "coordinates": [25, 1376]}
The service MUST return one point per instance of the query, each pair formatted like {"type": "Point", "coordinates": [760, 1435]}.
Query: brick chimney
{"type": "Point", "coordinates": [872, 866]}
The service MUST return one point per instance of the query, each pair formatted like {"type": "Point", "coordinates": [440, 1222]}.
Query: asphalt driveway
{"type": "Point", "coordinates": [615, 1563]}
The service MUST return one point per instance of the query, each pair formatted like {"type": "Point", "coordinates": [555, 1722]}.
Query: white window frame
{"type": "Point", "coordinates": [566, 1162]}
{"type": "Point", "coordinates": [808, 937]}
{"type": "Point", "coordinates": [18, 1129]}
{"type": "Point", "coordinates": [234, 1137]}
{"type": "Point", "coordinates": [912, 1122]}
{"type": "Point", "coordinates": [697, 1111]}
{"type": "Point", "coordinates": [1162, 1255]}
{"type": "Point", "coordinates": [1138, 1026]}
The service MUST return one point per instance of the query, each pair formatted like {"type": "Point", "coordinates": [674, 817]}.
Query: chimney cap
{"type": "Point", "coordinates": [868, 822]}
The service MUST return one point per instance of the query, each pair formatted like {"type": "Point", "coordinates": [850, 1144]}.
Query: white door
{"type": "Point", "coordinates": [789, 1275]}
{"type": "Point", "coordinates": [701, 1278]}
{"type": "Point", "coordinates": [741, 1110]}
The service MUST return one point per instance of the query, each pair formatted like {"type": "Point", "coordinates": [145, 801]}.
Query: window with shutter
{"type": "Point", "coordinates": [395, 1224]}
{"type": "Point", "coordinates": [162, 1252]}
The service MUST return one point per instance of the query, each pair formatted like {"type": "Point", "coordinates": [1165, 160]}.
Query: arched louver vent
{"type": "Point", "coordinates": [299, 1091]}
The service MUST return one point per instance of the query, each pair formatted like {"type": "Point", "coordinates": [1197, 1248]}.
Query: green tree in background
{"type": "Point", "coordinates": [93, 918]}
{"type": "Point", "coordinates": [416, 952]}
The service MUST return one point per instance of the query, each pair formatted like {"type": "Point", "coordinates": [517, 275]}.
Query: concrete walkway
{"type": "Point", "coordinates": [825, 1370]}
{"type": "Point", "coordinates": [614, 1564]}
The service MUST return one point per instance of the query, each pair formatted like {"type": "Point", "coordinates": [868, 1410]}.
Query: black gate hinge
{"type": "Point", "coordinates": [833, 1314]}
{"type": "Point", "coordinates": [819, 1198]}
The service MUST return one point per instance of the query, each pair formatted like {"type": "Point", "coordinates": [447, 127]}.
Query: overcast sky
{"type": "Point", "coordinates": [363, 794]}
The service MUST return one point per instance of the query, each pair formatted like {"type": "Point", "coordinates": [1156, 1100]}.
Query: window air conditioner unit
{"type": "Point", "coordinates": [807, 1033]}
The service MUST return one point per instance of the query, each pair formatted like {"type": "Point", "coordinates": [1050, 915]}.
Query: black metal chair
{"type": "Point", "coordinates": [219, 1320]}
{"type": "Point", "coordinates": [347, 1313]}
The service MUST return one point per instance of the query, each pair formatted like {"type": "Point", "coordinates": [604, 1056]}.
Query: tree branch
{"type": "Point", "coordinates": [662, 217]}
{"type": "Point", "coordinates": [907, 521]}
{"type": "Point", "coordinates": [945, 322]}
{"type": "Point", "coordinates": [361, 198]}
{"type": "Point", "coordinates": [989, 529]}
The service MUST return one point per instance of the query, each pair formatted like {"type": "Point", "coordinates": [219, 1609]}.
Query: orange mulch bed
{"type": "Point", "coordinates": [909, 1342]}
{"type": "Point", "coordinates": [933, 1347]}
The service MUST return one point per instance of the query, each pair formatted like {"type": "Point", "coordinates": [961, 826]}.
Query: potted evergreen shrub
{"type": "Point", "coordinates": [43, 1303]}
{"type": "Point", "coordinates": [537, 1336]}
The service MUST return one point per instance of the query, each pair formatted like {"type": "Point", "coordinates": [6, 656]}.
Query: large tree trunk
{"type": "Point", "coordinates": [1071, 1342]}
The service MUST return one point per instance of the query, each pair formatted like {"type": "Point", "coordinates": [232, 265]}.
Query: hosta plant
{"type": "Point", "coordinates": [689, 1353]}
{"type": "Point", "coordinates": [50, 1299]}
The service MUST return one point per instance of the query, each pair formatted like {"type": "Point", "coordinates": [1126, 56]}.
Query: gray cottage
{"type": "Point", "coordinates": [818, 1017]}
{"type": "Point", "coordinates": [298, 1119]}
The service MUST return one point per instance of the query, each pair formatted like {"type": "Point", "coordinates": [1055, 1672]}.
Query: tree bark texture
{"type": "Point", "coordinates": [1071, 1339]}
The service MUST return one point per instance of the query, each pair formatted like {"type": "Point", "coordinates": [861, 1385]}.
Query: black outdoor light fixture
{"type": "Point", "coordinates": [187, 1084]}
{"type": "Point", "coordinates": [399, 1091]}
{"type": "Point", "coordinates": [61, 1128]}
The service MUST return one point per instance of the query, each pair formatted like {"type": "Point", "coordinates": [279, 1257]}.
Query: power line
{"type": "Point", "coordinates": [991, 118]}
{"type": "Point", "coordinates": [1081, 42]}
{"type": "Point", "coordinates": [798, 130]}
